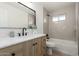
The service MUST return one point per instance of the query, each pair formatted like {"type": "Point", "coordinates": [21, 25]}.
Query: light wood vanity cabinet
{"type": "Point", "coordinates": [43, 45]}
{"type": "Point", "coordinates": [37, 47]}
{"type": "Point", "coordinates": [28, 48]}
{"type": "Point", "coordinates": [34, 47]}
{"type": "Point", "coordinates": [40, 47]}
{"type": "Point", "coordinates": [15, 50]}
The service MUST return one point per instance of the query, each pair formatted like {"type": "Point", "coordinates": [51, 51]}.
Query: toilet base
{"type": "Point", "coordinates": [50, 51]}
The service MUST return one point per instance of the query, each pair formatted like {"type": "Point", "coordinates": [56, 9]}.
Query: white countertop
{"type": "Point", "coordinates": [5, 42]}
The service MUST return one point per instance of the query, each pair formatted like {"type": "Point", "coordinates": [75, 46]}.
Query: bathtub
{"type": "Point", "coordinates": [67, 47]}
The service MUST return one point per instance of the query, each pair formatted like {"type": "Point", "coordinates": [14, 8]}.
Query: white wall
{"type": "Point", "coordinates": [7, 17]}
{"type": "Point", "coordinates": [13, 16]}
{"type": "Point", "coordinates": [46, 21]}
{"type": "Point", "coordinates": [6, 32]}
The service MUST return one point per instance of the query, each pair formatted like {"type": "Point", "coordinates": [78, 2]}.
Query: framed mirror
{"type": "Point", "coordinates": [16, 15]}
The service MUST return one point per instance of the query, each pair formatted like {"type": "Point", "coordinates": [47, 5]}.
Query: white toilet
{"type": "Point", "coordinates": [50, 46]}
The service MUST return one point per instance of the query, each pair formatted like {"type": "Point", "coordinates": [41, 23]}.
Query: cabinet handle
{"type": "Point", "coordinates": [36, 43]}
{"type": "Point", "coordinates": [13, 54]}
{"type": "Point", "coordinates": [33, 44]}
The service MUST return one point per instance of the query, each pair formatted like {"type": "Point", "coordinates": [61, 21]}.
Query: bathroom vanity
{"type": "Point", "coordinates": [19, 16]}
{"type": "Point", "coordinates": [34, 45]}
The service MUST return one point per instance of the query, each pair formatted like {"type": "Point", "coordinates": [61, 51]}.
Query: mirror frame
{"type": "Point", "coordinates": [30, 9]}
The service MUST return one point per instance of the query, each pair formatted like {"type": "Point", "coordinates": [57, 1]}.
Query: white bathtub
{"type": "Point", "coordinates": [65, 46]}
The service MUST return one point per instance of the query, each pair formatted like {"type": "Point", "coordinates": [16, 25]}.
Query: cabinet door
{"type": "Point", "coordinates": [43, 46]}
{"type": "Point", "coordinates": [15, 50]}
{"type": "Point", "coordinates": [28, 48]}
{"type": "Point", "coordinates": [17, 53]}
{"type": "Point", "coordinates": [37, 49]}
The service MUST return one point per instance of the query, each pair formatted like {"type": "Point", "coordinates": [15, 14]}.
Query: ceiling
{"type": "Point", "coordinates": [50, 6]}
